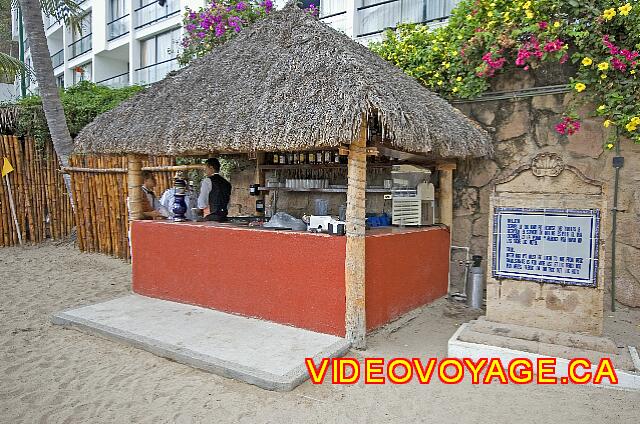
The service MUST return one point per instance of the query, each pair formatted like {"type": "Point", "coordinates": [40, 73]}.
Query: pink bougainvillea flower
{"type": "Point", "coordinates": [543, 25]}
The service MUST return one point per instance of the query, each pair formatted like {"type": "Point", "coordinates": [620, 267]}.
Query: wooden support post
{"type": "Point", "coordinates": [134, 184]}
{"type": "Point", "coordinates": [445, 199]}
{"type": "Point", "coordinates": [355, 319]}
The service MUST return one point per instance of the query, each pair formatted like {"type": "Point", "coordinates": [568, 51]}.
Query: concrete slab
{"type": "Point", "coordinates": [458, 348]}
{"type": "Point", "coordinates": [266, 354]}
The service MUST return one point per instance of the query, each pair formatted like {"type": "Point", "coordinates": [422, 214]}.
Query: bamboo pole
{"type": "Point", "coordinates": [161, 168]}
{"type": "Point", "coordinates": [355, 317]}
{"type": "Point", "coordinates": [7, 225]}
{"type": "Point", "coordinates": [134, 184]}
{"type": "Point", "coordinates": [13, 208]}
{"type": "Point", "coordinates": [29, 205]}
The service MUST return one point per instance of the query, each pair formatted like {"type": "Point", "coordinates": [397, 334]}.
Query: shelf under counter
{"type": "Point", "coordinates": [322, 190]}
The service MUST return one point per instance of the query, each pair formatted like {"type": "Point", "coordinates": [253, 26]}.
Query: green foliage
{"type": "Point", "coordinates": [485, 38]}
{"type": "Point", "coordinates": [82, 103]}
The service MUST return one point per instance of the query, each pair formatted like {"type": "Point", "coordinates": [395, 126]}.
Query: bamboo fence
{"type": "Point", "coordinates": [42, 205]}
{"type": "Point", "coordinates": [99, 186]}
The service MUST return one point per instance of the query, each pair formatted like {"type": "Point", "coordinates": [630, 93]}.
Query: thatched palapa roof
{"type": "Point", "coordinates": [289, 82]}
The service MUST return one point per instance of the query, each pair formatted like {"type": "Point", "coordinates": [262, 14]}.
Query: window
{"type": "Point", "coordinates": [82, 40]}
{"type": "Point", "coordinates": [374, 16]}
{"type": "Point", "coordinates": [158, 56]}
{"type": "Point", "coordinates": [161, 48]}
{"type": "Point", "coordinates": [334, 13]}
{"type": "Point", "coordinates": [148, 12]}
{"type": "Point", "coordinates": [85, 28]}
{"type": "Point", "coordinates": [117, 9]}
{"type": "Point", "coordinates": [60, 81]}
{"type": "Point", "coordinates": [81, 73]}
{"type": "Point", "coordinates": [118, 24]}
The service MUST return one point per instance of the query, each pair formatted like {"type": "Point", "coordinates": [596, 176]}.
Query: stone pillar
{"type": "Point", "coordinates": [546, 247]}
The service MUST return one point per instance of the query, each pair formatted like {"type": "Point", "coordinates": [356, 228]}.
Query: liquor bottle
{"type": "Point", "coordinates": [319, 157]}
{"type": "Point", "coordinates": [327, 156]}
{"type": "Point", "coordinates": [290, 158]}
{"type": "Point", "coordinates": [275, 159]}
{"type": "Point", "coordinates": [283, 159]}
{"type": "Point", "coordinates": [312, 158]}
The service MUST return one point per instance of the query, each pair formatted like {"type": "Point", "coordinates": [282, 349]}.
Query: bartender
{"type": "Point", "coordinates": [215, 192]}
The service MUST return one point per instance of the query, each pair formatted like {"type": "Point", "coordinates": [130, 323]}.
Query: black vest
{"type": "Point", "coordinates": [219, 195]}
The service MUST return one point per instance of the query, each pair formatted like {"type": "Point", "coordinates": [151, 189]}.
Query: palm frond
{"type": "Point", "coordinates": [10, 67]}
{"type": "Point", "coordinates": [67, 11]}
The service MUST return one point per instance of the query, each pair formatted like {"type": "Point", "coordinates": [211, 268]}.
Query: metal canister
{"type": "Point", "coordinates": [475, 283]}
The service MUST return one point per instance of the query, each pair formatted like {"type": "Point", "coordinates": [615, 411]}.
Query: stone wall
{"type": "Point", "coordinates": [521, 129]}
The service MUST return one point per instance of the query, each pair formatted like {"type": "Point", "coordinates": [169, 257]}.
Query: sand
{"type": "Point", "coordinates": [53, 375]}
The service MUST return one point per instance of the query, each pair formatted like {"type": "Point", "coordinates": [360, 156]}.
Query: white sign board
{"type": "Point", "coordinates": [546, 245]}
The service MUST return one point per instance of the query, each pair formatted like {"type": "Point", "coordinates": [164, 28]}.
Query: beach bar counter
{"type": "Point", "coordinates": [293, 278]}
{"type": "Point", "coordinates": [297, 85]}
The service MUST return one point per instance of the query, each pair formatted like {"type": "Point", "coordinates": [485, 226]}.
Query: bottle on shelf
{"type": "Point", "coordinates": [312, 158]}
{"type": "Point", "coordinates": [319, 157]}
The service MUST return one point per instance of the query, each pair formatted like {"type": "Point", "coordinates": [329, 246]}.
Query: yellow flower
{"type": "Point", "coordinates": [601, 108]}
{"type": "Point", "coordinates": [609, 146]}
{"type": "Point", "coordinates": [603, 66]}
{"type": "Point", "coordinates": [529, 14]}
{"type": "Point", "coordinates": [455, 89]}
{"type": "Point", "coordinates": [609, 14]}
{"type": "Point", "coordinates": [459, 79]}
{"type": "Point", "coordinates": [439, 82]}
{"type": "Point", "coordinates": [631, 127]}
{"type": "Point", "coordinates": [603, 76]}
{"type": "Point", "coordinates": [607, 123]}
{"type": "Point", "coordinates": [633, 71]}
{"type": "Point", "coordinates": [459, 37]}
{"type": "Point", "coordinates": [526, 5]}
{"type": "Point", "coordinates": [624, 10]}
{"type": "Point", "coordinates": [469, 17]}
{"type": "Point", "coordinates": [635, 120]}
{"type": "Point", "coordinates": [556, 24]}
{"type": "Point", "coordinates": [587, 61]}
{"type": "Point", "coordinates": [454, 53]}
{"type": "Point", "coordinates": [435, 48]}
{"type": "Point", "coordinates": [489, 13]}
{"type": "Point", "coordinates": [506, 16]}
{"type": "Point", "coordinates": [580, 87]}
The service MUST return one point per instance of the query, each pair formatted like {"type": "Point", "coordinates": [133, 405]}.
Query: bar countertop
{"type": "Point", "coordinates": [372, 232]}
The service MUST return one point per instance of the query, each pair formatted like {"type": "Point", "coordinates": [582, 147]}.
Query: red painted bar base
{"type": "Point", "coordinates": [291, 278]}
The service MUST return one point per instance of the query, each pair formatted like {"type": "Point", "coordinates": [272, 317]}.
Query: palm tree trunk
{"type": "Point", "coordinates": [51, 103]}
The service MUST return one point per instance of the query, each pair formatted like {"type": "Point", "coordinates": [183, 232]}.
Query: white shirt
{"type": "Point", "coordinates": [205, 189]}
{"type": "Point", "coordinates": [167, 199]}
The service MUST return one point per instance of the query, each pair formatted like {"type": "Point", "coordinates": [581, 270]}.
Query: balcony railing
{"type": "Point", "coordinates": [57, 59]}
{"type": "Point", "coordinates": [153, 73]}
{"type": "Point", "coordinates": [50, 21]}
{"type": "Point", "coordinates": [118, 81]}
{"type": "Point", "coordinates": [153, 12]}
{"type": "Point", "coordinates": [79, 47]}
{"type": "Point", "coordinates": [118, 27]}
{"type": "Point", "coordinates": [375, 18]}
